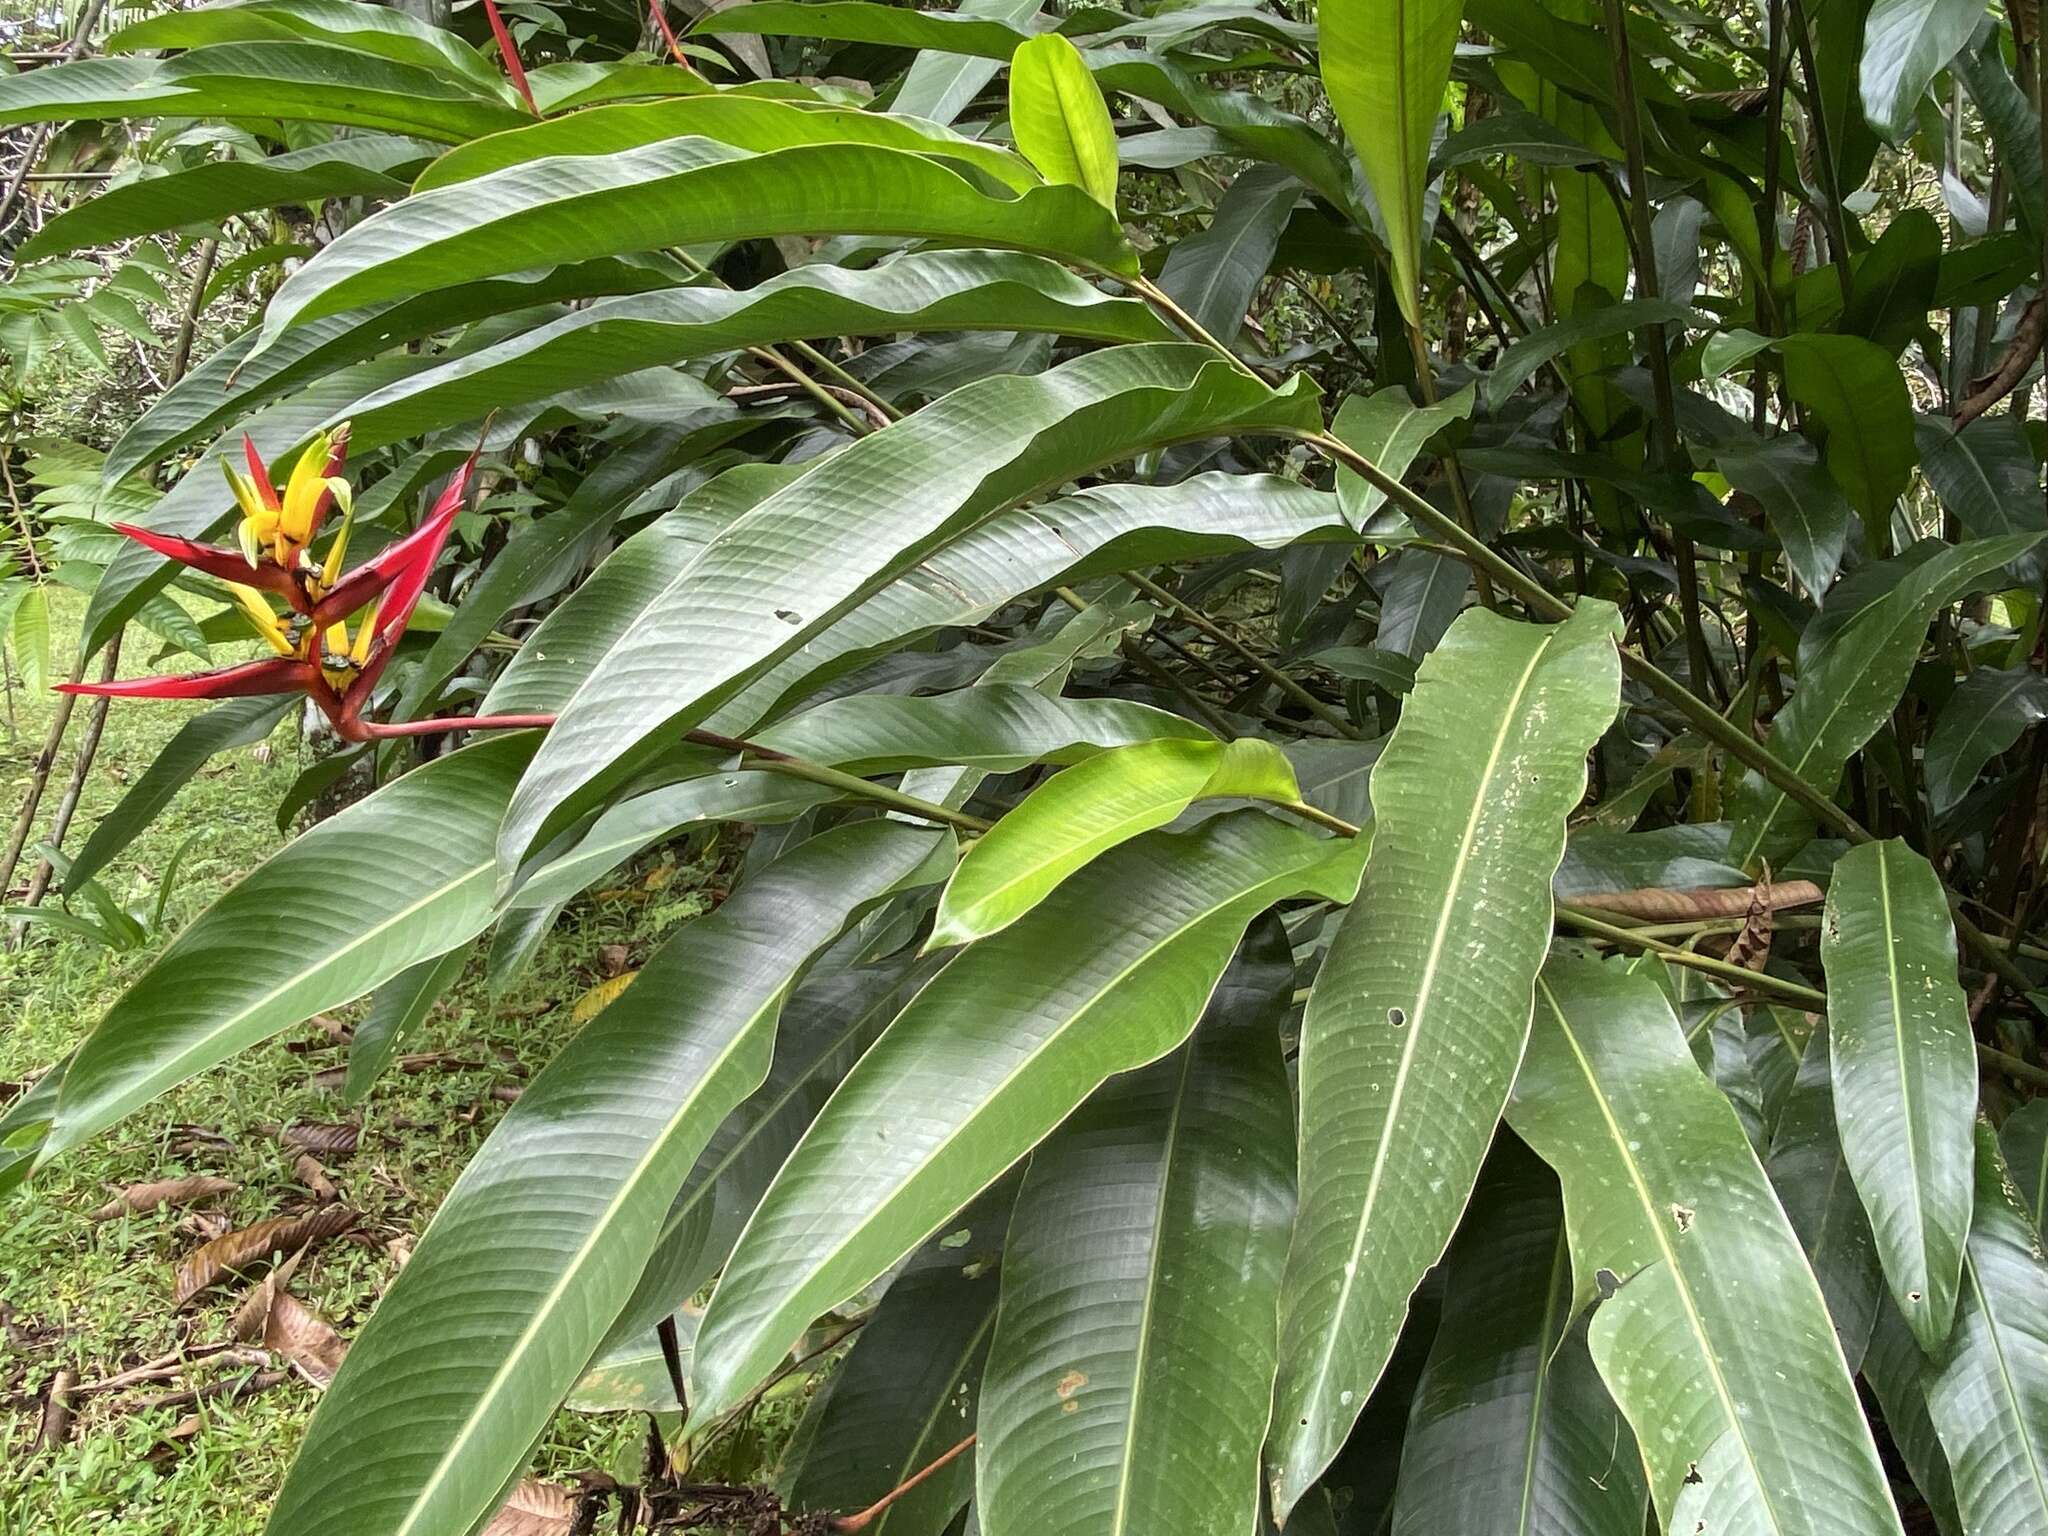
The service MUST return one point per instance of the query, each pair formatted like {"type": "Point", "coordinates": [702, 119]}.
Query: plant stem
{"type": "Point", "coordinates": [1824, 151]}
{"type": "Point", "coordinates": [1264, 668]}
{"type": "Point", "coordinates": [1425, 380]}
{"type": "Point", "coordinates": [74, 787]}
{"type": "Point", "coordinates": [1756, 981]}
{"type": "Point", "coordinates": [860, 1521]}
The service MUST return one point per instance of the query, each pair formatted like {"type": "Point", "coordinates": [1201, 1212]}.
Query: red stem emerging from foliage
{"type": "Point", "coordinates": [510, 51]}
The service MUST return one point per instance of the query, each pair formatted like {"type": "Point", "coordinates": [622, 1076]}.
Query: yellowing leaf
{"type": "Point", "coordinates": [600, 997]}
{"type": "Point", "coordinates": [1060, 120]}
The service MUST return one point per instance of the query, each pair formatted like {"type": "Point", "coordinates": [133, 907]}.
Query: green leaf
{"type": "Point", "coordinates": [1418, 1016]}
{"type": "Point", "coordinates": [1511, 1430]}
{"type": "Point", "coordinates": [1131, 1375]}
{"type": "Point", "coordinates": [1712, 1334]}
{"type": "Point", "coordinates": [742, 119]}
{"type": "Point", "coordinates": [1076, 816]}
{"type": "Point", "coordinates": [1854, 386]}
{"type": "Point", "coordinates": [207, 193]}
{"type": "Point", "coordinates": [397, 1009]}
{"type": "Point", "coordinates": [860, 21]}
{"type": "Point", "coordinates": [1215, 273]}
{"type": "Point", "coordinates": [1060, 120]}
{"type": "Point", "coordinates": [1987, 1387]}
{"type": "Point", "coordinates": [1386, 64]}
{"type": "Point", "coordinates": [1811, 1175]}
{"type": "Point", "coordinates": [930, 291]}
{"type": "Point", "coordinates": [542, 1239]}
{"type": "Point", "coordinates": [1103, 530]}
{"type": "Point", "coordinates": [939, 86]}
{"type": "Point", "coordinates": [906, 1392]}
{"type": "Point", "coordinates": [1895, 1370]}
{"type": "Point", "coordinates": [1986, 475]}
{"type": "Point", "coordinates": [384, 31]}
{"type": "Point", "coordinates": [685, 191]}
{"type": "Point", "coordinates": [1848, 688]}
{"type": "Point", "coordinates": [990, 1056]}
{"type": "Point", "coordinates": [2024, 1138]}
{"type": "Point", "coordinates": [238, 723]}
{"type": "Point", "coordinates": [1906, 43]}
{"type": "Point", "coordinates": [1522, 361]}
{"type": "Point", "coordinates": [1905, 1071]}
{"type": "Point", "coordinates": [1807, 510]}
{"type": "Point", "coordinates": [1389, 429]}
{"type": "Point", "coordinates": [293, 81]}
{"type": "Point", "coordinates": [855, 520]}
{"type": "Point", "coordinates": [393, 880]}
{"type": "Point", "coordinates": [29, 634]}
{"type": "Point", "coordinates": [1984, 716]}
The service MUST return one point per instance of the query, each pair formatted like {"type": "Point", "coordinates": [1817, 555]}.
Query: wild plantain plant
{"type": "Point", "coordinates": [1399, 857]}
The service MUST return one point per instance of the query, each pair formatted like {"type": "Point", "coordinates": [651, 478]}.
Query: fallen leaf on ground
{"type": "Point", "coordinates": [534, 1509]}
{"type": "Point", "coordinates": [137, 1198]}
{"type": "Point", "coordinates": [600, 997]}
{"type": "Point", "coordinates": [327, 1139]}
{"type": "Point", "coordinates": [253, 1244]}
{"type": "Point", "coordinates": [289, 1328]}
{"type": "Point", "coordinates": [314, 1177]}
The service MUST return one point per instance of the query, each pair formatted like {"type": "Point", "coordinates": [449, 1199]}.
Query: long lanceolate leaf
{"type": "Point", "coordinates": [398, 878]}
{"type": "Point", "coordinates": [1512, 1432]}
{"type": "Point", "coordinates": [939, 290]}
{"type": "Point", "coordinates": [1131, 1374]}
{"type": "Point", "coordinates": [1905, 1071]}
{"type": "Point", "coordinates": [1987, 1387]}
{"type": "Point", "coordinates": [1709, 1309]}
{"type": "Point", "coordinates": [543, 1239]}
{"type": "Point", "coordinates": [989, 1057]}
{"type": "Point", "coordinates": [680, 192]}
{"type": "Point", "coordinates": [1385, 64]}
{"type": "Point", "coordinates": [1419, 1014]}
{"type": "Point", "coordinates": [783, 570]}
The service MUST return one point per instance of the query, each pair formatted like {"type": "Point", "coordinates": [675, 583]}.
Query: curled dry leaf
{"type": "Point", "coordinates": [302, 1338]}
{"type": "Point", "coordinates": [2011, 367]}
{"type": "Point", "coordinates": [1752, 946]}
{"type": "Point", "coordinates": [253, 1244]}
{"type": "Point", "coordinates": [534, 1509]}
{"type": "Point", "coordinates": [1665, 906]}
{"type": "Point", "coordinates": [137, 1198]}
{"type": "Point", "coordinates": [327, 1139]}
{"type": "Point", "coordinates": [314, 1177]}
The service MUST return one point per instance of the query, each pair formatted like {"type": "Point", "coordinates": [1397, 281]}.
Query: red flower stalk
{"type": "Point", "coordinates": [316, 654]}
{"type": "Point", "coordinates": [510, 53]}
{"type": "Point", "coordinates": [675, 47]}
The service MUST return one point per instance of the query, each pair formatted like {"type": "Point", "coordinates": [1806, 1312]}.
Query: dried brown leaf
{"type": "Point", "coordinates": [314, 1177]}
{"type": "Point", "coordinates": [1666, 906]}
{"type": "Point", "coordinates": [250, 1245]}
{"type": "Point", "coordinates": [2012, 365]}
{"type": "Point", "coordinates": [1752, 946]}
{"type": "Point", "coordinates": [534, 1509]}
{"type": "Point", "coordinates": [137, 1198]}
{"type": "Point", "coordinates": [328, 1079]}
{"type": "Point", "coordinates": [303, 1338]}
{"type": "Point", "coordinates": [336, 1139]}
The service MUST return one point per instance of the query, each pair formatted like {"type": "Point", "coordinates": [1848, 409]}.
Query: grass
{"type": "Point", "coordinates": [96, 1298]}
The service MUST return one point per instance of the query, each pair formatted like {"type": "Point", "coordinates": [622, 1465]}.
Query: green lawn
{"type": "Point", "coordinates": [96, 1298]}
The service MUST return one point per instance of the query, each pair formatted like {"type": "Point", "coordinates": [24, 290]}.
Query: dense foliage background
{"type": "Point", "coordinates": [1381, 661]}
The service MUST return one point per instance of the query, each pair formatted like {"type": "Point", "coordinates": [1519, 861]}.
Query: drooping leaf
{"type": "Point", "coordinates": [949, 291]}
{"type": "Point", "coordinates": [682, 191]}
{"type": "Point", "coordinates": [1811, 1174]}
{"type": "Point", "coordinates": [1059, 118]}
{"type": "Point", "coordinates": [1512, 1431]}
{"type": "Point", "coordinates": [397, 1008]}
{"type": "Point", "coordinates": [1386, 64]}
{"type": "Point", "coordinates": [1130, 1378]}
{"type": "Point", "coordinates": [1848, 688]}
{"type": "Point", "coordinates": [543, 1239]}
{"type": "Point", "coordinates": [990, 1056]}
{"type": "Point", "coordinates": [1906, 43]}
{"type": "Point", "coordinates": [1419, 1013]}
{"type": "Point", "coordinates": [1987, 1386]}
{"type": "Point", "coordinates": [1905, 1071]}
{"type": "Point", "coordinates": [1707, 1308]}
{"type": "Point", "coordinates": [784, 569]}
{"type": "Point", "coordinates": [398, 878]}
{"type": "Point", "coordinates": [1987, 477]}
{"type": "Point", "coordinates": [1078, 815]}
{"type": "Point", "coordinates": [906, 1392]}
{"type": "Point", "coordinates": [1806, 509]}
{"type": "Point", "coordinates": [1214, 273]}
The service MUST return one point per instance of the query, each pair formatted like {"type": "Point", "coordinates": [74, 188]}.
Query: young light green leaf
{"type": "Point", "coordinates": [1512, 1432]}
{"type": "Point", "coordinates": [543, 1238]}
{"type": "Point", "coordinates": [389, 882]}
{"type": "Point", "coordinates": [1131, 1375]}
{"type": "Point", "coordinates": [1418, 1017]}
{"type": "Point", "coordinates": [1905, 1071]}
{"type": "Point", "coordinates": [994, 1053]}
{"type": "Point", "coordinates": [1386, 64]}
{"type": "Point", "coordinates": [1076, 816]}
{"type": "Point", "coordinates": [29, 634]}
{"type": "Point", "coordinates": [1707, 1309]}
{"type": "Point", "coordinates": [1987, 1386]}
{"type": "Point", "coordinates": [1060, 120]}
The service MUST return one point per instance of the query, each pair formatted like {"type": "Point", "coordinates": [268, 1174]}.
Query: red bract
{"type": "Point", "coordinates": [510, 51]}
